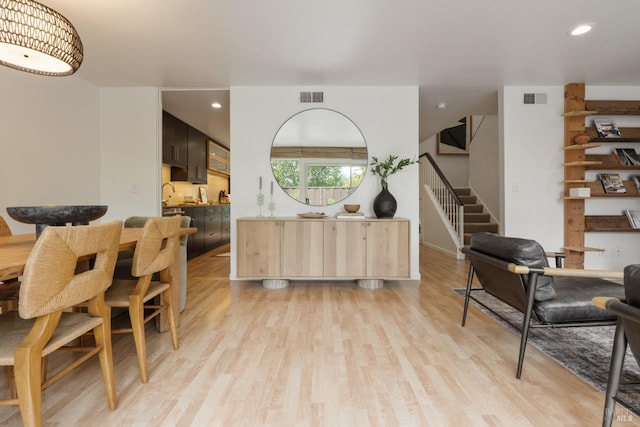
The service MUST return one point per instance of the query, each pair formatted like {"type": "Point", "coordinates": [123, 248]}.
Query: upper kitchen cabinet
{"type": "Point", "coordinates": [219, 158]}
{"type": "Point", "coordinates": [197, 167]}
{"type": "Point", "coordinates": [174, 141]}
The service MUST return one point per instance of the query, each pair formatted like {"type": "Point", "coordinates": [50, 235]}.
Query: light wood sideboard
{"type": "Point", "coordinates": [276, 250]}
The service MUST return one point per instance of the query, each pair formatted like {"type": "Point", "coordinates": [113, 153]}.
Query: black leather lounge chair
{"type": "Point", "coordinates": [516, 271]}
{"type": "Point", "coordinates": [627, 332]}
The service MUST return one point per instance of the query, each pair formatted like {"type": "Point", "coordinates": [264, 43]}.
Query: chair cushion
{"type": "Point", "coordinates": [15, 329]}
{"type": "Point", "coordinates": [573, 300]}
{"type": "Point", "coordinates": [518, 251]}
{"type": "Point", "coordinates": [118, 294]}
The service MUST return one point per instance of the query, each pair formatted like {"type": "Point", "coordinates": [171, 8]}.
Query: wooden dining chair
{"type": "Point", "coordinates": [8, 288]}
{"type": "Point", "coordinates": [43, 323]}
{"type": "Point", "coordinates": [154, 253]}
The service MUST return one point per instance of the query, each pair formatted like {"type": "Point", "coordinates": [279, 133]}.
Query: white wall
{"type": "Point", "coordinates": [130, 151]}
{"type": "Point", "coordinates": [484, 164]}
{"type": "Point", "coordinates": [387, 117]}
{"type": "Point", "coordinates": [532, 143]}
{"type": "Point", "coordinates": [50, 145]}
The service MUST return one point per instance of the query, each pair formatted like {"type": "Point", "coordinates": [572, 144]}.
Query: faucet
{"type": "Point", "coordinates": [170, 185]}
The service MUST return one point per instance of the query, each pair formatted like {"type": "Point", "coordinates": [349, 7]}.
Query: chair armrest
{"type": "Point", "coordinates": [567, 272]}
{"type": "Point", "coordinates": [601, 302]}
{"type": "Point", "coordinates": [619, 308]}
{"type": "Point", "coordinates": [558, 256]}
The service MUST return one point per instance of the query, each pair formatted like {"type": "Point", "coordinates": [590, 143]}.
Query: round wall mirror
{"type": "Point", "coordinates": [319, 157]}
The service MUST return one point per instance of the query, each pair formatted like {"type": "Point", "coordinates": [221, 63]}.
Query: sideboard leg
{"type": "Point", "coordinates": [371, 283]}
{"type": "Point", "coordinates": [275, 283]}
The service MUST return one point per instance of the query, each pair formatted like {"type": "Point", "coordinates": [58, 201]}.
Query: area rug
{"type": "Point", "coordinates": [585, 351]}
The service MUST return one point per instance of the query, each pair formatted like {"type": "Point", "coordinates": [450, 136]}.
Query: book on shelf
{"type": "Point", "coordinates": [612, 183]}
{"type": "Point", "coordinates": [627, 156]}
{"type": "Point", "coordinates": [636, 181]}
{"type": "Point", "coordinates": [350, 215]}
{"type": "Point", "coordinates": [606, 128]}
{"type": "Point", "coordinates": [634, 218]}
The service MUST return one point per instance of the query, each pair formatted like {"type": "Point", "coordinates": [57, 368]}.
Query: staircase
{"type": "Point", "coordinates": [475, 219]}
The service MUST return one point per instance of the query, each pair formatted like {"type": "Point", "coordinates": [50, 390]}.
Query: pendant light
{"type": "Point", "coordinates": [37, 39]}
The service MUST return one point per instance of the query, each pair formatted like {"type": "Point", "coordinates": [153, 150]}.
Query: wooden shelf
{"type": "Point", "coordinates": [577, 161]}
{"type": "Point", "coordinates": [581, 249]}
{"type": "Point", "coordinates": [614, 108]}
{"type": "Point", "coordinates": [607, 223]}
{"type": "Point", "coordinates": [579, 113]}
{"type": "Point", "coordinates": [576, 181]}
{"type": "Point", "coordinates": [597, 190]}
{"type": "Point", "coordinates": [581, 146]}
{"type": "Point", "coordinates": [605, 162]}
{"type": "Point", "coordinates": [583, 163]}
{"type": "Point", "coordinates": [628, 135]}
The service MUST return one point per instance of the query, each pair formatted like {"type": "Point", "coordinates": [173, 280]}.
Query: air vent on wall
{"type": "Point", "coordinates": [311, 97]}
{"type": "Point", "coordinates": [535, 98]}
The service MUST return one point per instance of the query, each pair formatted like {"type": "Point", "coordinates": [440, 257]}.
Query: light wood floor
{"type": "Point", "coordinates": [327, 354]}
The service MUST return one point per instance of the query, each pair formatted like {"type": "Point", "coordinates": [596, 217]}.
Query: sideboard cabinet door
{"type": "Point", "coordinates": [259, 249]}
{"type": "Point", "coordinates": [388, 249]}
{"type": "Point", "coordinates": [302, 254]}
{"type": "Point", "coordinates": [345, 249]}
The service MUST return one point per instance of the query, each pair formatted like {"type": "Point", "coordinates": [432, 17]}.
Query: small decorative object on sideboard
{"type": "Point", "coordinates": [606, 128]}
{"type": "Point", "coordinates": [612, 183]}
{"type": "Point", "coordinates": [385, 205]}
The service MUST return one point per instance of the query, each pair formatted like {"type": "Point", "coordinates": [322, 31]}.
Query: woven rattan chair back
{"type": "Point", "coordinates": [49, 282]}
{"type": "Point", "coordinates": [157, 247]}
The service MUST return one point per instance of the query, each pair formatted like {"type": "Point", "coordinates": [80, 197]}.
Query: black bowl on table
{"type": "Point", "coordinates": [42, 216]}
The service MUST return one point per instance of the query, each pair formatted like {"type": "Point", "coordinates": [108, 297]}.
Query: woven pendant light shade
{"type": "Point", "coordinates": [37, 39]}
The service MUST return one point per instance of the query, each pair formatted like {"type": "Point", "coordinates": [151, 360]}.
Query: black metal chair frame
{"type": "Point", "coordinates": [630, 313]}
{"type": "Point", "coordinates": [528, 312]}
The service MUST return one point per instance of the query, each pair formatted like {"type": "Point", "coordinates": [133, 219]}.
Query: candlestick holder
{"type": "Point", "coordinates": [260, 203]}
{"type": "Point", "coordinates": [272, 207]}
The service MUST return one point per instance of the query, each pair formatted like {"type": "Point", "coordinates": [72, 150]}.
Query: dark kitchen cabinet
{"type": "Point", "coordinates": [213, 227]}
{"type": "Point", "coordinates": [174, 141]}
{"type": "Point", "coordinates": [197, 164]}
{"type": "Point", "coordinates": [225, 224]}
{"type": "Point", "coordinates": [195, 242]}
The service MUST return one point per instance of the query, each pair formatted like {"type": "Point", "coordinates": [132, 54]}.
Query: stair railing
{"type": "Point", "coordinates": [453, 208]}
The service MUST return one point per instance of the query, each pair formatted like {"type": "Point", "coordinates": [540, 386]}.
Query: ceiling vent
{"type": "Point", "coordinates": [306, 97]}
{"type": "Point", "coordinates": [535, 98]}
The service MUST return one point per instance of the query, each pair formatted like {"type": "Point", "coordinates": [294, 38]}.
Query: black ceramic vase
{"type": "Point", "coordinates": [385, 205]}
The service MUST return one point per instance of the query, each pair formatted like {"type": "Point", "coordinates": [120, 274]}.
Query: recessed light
{"type": "Point", "coordinates": [581, 29]}
{"type": "Point", "coordinates": [441, 106]}
{"type": "Point", "coordinates": [216, 105]}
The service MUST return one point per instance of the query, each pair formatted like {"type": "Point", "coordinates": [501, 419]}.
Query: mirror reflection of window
{"type": "Point", "coordinates": [319, 157]}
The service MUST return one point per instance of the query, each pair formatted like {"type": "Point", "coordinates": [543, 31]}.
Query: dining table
{"type": "Point", "coordinates": [15, 250]}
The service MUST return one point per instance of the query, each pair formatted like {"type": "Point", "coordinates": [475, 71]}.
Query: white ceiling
{"type": "Point", "coordinates": [457, 51]}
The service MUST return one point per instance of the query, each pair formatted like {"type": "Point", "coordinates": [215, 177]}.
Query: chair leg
{"type": "Point", "coordinates": [136, 314]}
{"type": "Point", "coordinates": [28, 368]}
{"type": "Point", "coordinates": [168, 301]}
{"type": "Point", "coordinates": [11, 382]}
{"type": "Point", "coordinates": [615, 371]}
{"type": "Point", "coordinates": [467, 295]}
{"type": "Point", "coordinates": [526, 321]}
{"type": "Point", "coordinates": [102, 337]}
